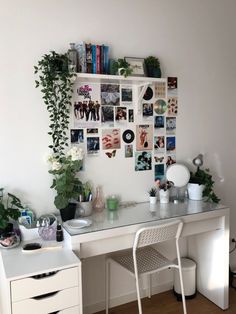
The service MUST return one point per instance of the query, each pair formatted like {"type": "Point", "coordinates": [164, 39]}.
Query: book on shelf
{"type": "Point", "coordinates": [81, 48]}
{"type": "Point", "coordinates": [98, 59]}
{"type": "Point", "coordinates": [94, 68]}
{"type": "Point", "coordinates": [89, 58]}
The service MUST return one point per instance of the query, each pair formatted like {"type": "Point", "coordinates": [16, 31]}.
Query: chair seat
{"type": "Point", "coordinates": [148, 260]}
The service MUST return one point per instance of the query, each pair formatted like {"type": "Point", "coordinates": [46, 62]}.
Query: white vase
{"type": "Point", "coordinates": [153, 199]}
{"type": "Point", "coordinates": [195, 191]}
{"type": "Point", "coordinates": [164, 196]}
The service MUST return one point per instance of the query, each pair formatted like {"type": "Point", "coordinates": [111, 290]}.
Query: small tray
{"type": "Point", "coordinates": [78, 223]}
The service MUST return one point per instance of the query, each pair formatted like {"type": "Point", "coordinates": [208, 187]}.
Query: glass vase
{"type": "Point", "coordinates": [99, 202]}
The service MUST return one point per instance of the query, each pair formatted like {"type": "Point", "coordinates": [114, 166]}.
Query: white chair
{"type": "Point", "coordinates": [143, 259]}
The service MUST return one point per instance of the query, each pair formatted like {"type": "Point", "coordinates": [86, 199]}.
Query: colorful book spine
{"type": "Point", "coordinates": [102, 59]}
{"type": "Point", "coordinates": [98, 59]}
{"type": "Point", "coordinates": [94, 59]}
{"type": "Point", "coordinates": [81, 48]}
{"type": "Point", "coordinates": [106, 59]}
{"type": "Point", "coordinates": [89, 58]}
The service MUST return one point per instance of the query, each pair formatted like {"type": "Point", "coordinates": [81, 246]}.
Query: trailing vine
{"type": "Point", "coordinates": [56, 81]}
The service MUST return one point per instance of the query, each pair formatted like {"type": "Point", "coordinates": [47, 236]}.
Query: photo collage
{"type": "Point", "coordinates": [104, 122]}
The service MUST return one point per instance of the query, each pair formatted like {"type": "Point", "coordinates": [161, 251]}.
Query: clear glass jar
{"type": "Point", "coordinates": [99, 202]}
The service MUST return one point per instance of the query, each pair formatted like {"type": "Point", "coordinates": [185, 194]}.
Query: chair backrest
{"type": "Point", "coordinates": [159, 233]}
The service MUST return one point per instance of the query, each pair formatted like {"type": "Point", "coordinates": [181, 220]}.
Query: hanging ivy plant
{"type": "Point", "coordinates": [55, 78]}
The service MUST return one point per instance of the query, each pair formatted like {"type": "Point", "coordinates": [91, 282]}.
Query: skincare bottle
{"type": "Point", "coordinates": [59, 234]}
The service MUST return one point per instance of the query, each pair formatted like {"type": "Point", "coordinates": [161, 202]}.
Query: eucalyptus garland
{"type": "Point", "coordinates": [55, 78]}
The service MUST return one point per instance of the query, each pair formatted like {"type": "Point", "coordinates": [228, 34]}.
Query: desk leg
{"type": "Point", "coordinates": [210, 250]}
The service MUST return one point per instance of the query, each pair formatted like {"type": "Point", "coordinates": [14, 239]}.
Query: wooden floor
{"type": "Point", "coordinates": [165, 303]}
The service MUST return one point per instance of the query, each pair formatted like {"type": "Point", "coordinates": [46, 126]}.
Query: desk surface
{"type": "Point", "coordinates": [142, 213]}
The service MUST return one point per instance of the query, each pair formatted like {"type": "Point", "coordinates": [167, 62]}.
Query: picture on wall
{"type": "Point", "coordinates": [170, 144]}
{"type": "Point", "coordinates": [129, 151]}
{"type": "Point", "coordinates": [172, 106]}
{"type": "Point", "coordinates": [159, 159]}
{"type": "Point", "coordinates": [126, 94]}
{"type": "Point", "coordinates": [143, 161]}
{"type": "Point", "coordinates": [160, 90]}
{"type": "Point", "coordinates": [159, 122]}
{"type": "Point", "coordinates": [131, 115]}
{"type": "Point", "coordinates": [148, 95]}
{"type": "Point", "coordinates": [107, 115]}
{"type": "Point", "coordinates": [111, 138]}
{"type": "Point", "coordinates": [92, 131]}
{"type": "Point", "coordinates": [144, 137]}
{"type": "Point", "coordinates": [172, 86]}
{"type": "Point", "coordinates": [170, 160]}
{"type": "Point", "coordinates": [159, 171]}
{"type": "Point", "coordinates": [159, 144]}
{"type": "Point", "coordinates": [147, 110]}
{"type": "Point", "coordinates": [160, 106]}
{"type": "Point", "coordinates": [121, 116]}
{"type": "Point", "coordinates": [93, 145]}
{"type": "Point", "coordinates": [170, 125]}
{"type": "Point", "coordinates": [110, 94]}
{"type": "Point", "coordinates": [77, 136]}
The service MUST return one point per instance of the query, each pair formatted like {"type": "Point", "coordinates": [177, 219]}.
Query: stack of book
{"type": "Point", "coordinates": [92, 58]}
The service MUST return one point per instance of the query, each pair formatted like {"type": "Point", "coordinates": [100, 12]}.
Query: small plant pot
{"type": "Point", "coordinates": [85, 209]}
{"type": "Point", "coordinates": [153, 72]}
{"type": "Point", "coordinates": [153, 199]}
{"type": "Point", "coordinates": [68, 212]}
{"type": "Point", "coordinates": [164, 196]}
{"type": "Point", "coordinates": [195, 191]}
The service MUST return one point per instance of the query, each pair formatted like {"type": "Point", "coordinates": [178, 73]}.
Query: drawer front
{"type": "Point", "coordinates": [71, 310]}
{"type": "Point", "coordinates": [31, 287]}
{"type": "Point", "coordinates": [61, 301]}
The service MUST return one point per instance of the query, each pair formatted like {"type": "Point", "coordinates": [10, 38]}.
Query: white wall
{"type": "Point", "coordinates": [195, 40]}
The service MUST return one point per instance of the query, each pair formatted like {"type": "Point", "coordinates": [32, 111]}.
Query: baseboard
{"type": "Point", "coordinates": [115, 301]}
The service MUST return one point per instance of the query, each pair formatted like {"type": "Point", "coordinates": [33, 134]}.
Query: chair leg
{"type": "Point", "coordinates": [138, 295]}
{"type": "Point", "coordinates": [149, 286]}
{"type": "Point", "coordinates": [182, 291]}
{"type": "Point", "coordinates": [107, 285]}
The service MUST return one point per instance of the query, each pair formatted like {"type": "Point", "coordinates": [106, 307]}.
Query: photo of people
{"type": "Point", "coordinates": [126, 94]}
{"type": "Point", "coordinates": [110, 94]}
{"type": "Point", "coordinates": [107, 116]}
{"type": "Point", "coordinates": [93, 145]}
{"type": "Point", "coordinates": [159, 144]}
{"type": "Point", "coordinates": [172, 86]}
{"type": "Point", "coordinates": [170, 125]}
{"type": "Point", "coordinates": [129, 151]}
{"type": "Point", "coordinates": [131, 115]}
{"type": "Point", "coordinates": [160, 90]}
{"type": "Point", "coordinates": [172, 106]}
{"type": "Point", "coordinates": [111, 138]}
{"type": "Point", "coordinates": [144, 137]}
{"type": "Point", "coordinates": [160, 106]}
{"type": "Point", "coordinates": [121, 115]}
{"type": "Point", "coordinates": [92, 131]}
{"type": "Point", "coordinates": [159, 172]}
{"type": "Point", "coordinates": [170, 144]}
{"type": "Point", "coordinates": [143, 161]}
{"type": "Point", "coordinates": [159, 122]}
{"type": "Point", "coordinates": [171, 159]}
{"type": "Point", "coordinates": [76, 136]}
{"type": "Point", "coordinates": [147, 110]}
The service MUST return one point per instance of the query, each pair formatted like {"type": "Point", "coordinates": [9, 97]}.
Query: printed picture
{"type": "Point", "coordinates": [148, 94]}
{"type": "Point", "coordinates": [144, 137]}
{"type": "Point", "coordinates": [92, 131]}
{"type": "Point", "coordinates": [131, 115]}
{"type": "Point", "coordinates": [160, 106]}
{"type": "Point", "coordinates": [172, 106]}
{"type": "Point", "coordinates": [147, 110]}
{"type": "Point", "coordinates": [159, 122]}
{"type": "Point", "coordinates": [129, 151]}
{"type": "Point", "coordinates": [172, 86]}
{"type": "Point", "coordinates": [170, 144]}
{"type": "Point", "coordinates": [143, 161]}
{"type": "Point", "coordinates": [88, 106]}
{"type": "Point", "coordinates": [93, 145]}
{"type": "Point", "coordinates": [110, 94]}
{"type": "Point", "coordinates": [126, 94]}
{"type": "Point", "coordinates": [170, 160]}
{"type": "Point", "coordinates": [159, 172]}
{"type": "Point", "coordinates": [170, 125]}
{"type": "Point", "coordinates": [159, 159]}
{"type": "Point", "coordinates": [107, 116]}
{"type": "Point", "coordinates": [159, 144]}
{"type": "Point", "coordinates": [111, 138]}
{"type": "Point", "coordinates": [160, 90]}
{"type": "Point", "coordinates": [76, 136]}
{"type": "Point", "coordinates": [121, 115]}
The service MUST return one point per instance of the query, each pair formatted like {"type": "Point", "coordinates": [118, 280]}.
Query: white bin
{"type": "Point", "coordinates": [189, 279]}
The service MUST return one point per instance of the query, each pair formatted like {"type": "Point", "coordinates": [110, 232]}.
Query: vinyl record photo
{"type": "Point", "coordinates": [128, 136]}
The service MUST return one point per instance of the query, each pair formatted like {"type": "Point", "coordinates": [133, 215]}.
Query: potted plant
{"type": "Point", "coordinates": [152, 195]}
{"type": "Point", "coordinates": [201, 185]}
{"type": "Point", "coordinates": [66, 182]}
{"type": "Point", "coordinates": [153, 66]}
{"type": "Point", "coordinates": [9, 211]}
{"type": "Point", "coordinates": [122, 67]}
{"type": "Point", "coordinates": [85, 200]}
{"type": "Point", "coordinates": [164, 191]}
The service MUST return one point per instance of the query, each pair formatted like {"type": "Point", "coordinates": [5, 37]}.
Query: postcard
{"type": "Point", "coordinates": [143, 161]}
{"type": "Point", "coordinates": [144, 137]}
{"type": "Point", "coordinates": [111, 138]}
{"type": "Point", "coordinates": [110, 94]}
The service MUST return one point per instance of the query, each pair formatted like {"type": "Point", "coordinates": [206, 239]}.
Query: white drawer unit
{"type": "Point", "coordinates": [47, 282]}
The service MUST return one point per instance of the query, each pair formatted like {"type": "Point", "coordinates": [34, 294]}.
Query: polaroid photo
{"type": "Point", "coordinates": [170, 125]}
{"type": "Point", "coordinates": [121, 116]}
{"type": "Point", "coordinates": [129, 152]}
{"type": "Point", "coordinates": [160, 90]}
{"type": "Point", "coordinates": [172, 83]}
{"type": "Point", "coordinates": [160, 106]}
{"type": "Point", "coordinates": [144, 137]}
{"type": "Point", "coordinates": [159, 144]}
{"type": "Point", "coordinates": [77, 136]}
{"type": "Point", "coordinates": [107, 116]}
{"type": "Point", "coordinates": [131, 115]}
{"type": "Point", "coordinates": [111, 138]}
{"type": "Point", "coordinates": [143, 161]}
{"type": "Point", "coordinates": [110, 94]}
{"type": "Point", "coordinates": [170, 144]}
{"type": "Point", "coordinates": [93, 145]}
{"type": "Point", "coordinates": [159, 124]}
{"type": "Point", "coordinates": [147, 111]}
{"type": "Point", "coordinates": [170, 160]}
{"type": "Point", "coordinates": [172, 106]}
{"type": "Point", "coordinates": [127, 94]}
{"type": "Point", "coordinates": [159, 171]}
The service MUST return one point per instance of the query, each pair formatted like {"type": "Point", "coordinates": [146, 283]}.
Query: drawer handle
{"type": "Point", "coordinates": [41, 276]}
{"type": "Point", "coordinates": [44, 296]}
{"type": "Point", "coordinates": [54, 312]}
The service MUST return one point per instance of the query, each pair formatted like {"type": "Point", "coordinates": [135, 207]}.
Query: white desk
{"type": "Point", "coordinates": [206, 228]}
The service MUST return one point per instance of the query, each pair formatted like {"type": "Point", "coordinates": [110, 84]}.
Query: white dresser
{"type": "Point", "coordinates": [42, 282]}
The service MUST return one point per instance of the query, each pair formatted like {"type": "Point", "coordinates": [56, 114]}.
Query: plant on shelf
{"type": "Point", "coordinates": [153, 66]}
{"type": "Point", "coordinates": [152, 192]}
{"type": "Point", "coordinates": [164, 185]}
{"type": "Point", "coordinates": [122, 67]}
{"type": "Point", "coordinates": [9, 209]}
{"type": "Point", "coordinates": [55, 78]}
